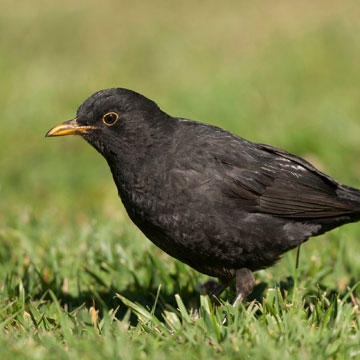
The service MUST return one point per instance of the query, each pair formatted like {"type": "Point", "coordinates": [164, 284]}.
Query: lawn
{"type": "Point", "coordinates": [77, 279]}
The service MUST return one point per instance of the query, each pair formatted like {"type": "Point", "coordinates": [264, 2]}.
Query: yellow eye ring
{"type": "Point", "coordinates": [110, 118]}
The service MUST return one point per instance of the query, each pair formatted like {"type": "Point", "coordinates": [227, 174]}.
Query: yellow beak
{"type": "Point", "coordinates": [70, 127]}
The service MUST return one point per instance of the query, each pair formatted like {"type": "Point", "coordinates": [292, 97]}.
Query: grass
{"type": "Point", "coordinates": [77, 279]}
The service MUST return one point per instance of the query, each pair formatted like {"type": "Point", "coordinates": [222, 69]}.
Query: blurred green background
{"type": "Point", "coordinates": [279, 72]}
{"type": "Point", "coordinates": [274, 72]}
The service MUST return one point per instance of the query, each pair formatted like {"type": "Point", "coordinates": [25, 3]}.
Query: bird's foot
{"type": "Point", "coordinates": [208, 287]}
{"type": "Point", "coordinates": [214, 289]}
{"type": "Point", "coordinates": [244, 284]}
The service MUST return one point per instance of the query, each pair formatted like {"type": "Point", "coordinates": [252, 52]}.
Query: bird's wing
{"type": "Point", "coordinates": [281, 184]}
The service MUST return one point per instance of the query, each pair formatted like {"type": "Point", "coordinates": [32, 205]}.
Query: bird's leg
{"type": "Point", "coordinates": [214, 289]}
{"type": "Point", "coordinates": [244, 284]}
{"type": "Point", "coordinates": [220, 287]}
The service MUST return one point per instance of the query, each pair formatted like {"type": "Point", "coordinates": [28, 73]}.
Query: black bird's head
{"type": "Point", "coordinates": [116, 122]}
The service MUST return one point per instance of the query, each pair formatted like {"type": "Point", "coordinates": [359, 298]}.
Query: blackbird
{"type": "Point", "coordinates": [224, 205]}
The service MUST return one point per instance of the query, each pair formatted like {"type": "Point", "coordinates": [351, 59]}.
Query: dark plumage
{"type": "Point", "coordinates": [217, 202]}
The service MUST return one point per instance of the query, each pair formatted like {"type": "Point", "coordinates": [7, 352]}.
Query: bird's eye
{"type": "Point", "coordinates": [110, 118]}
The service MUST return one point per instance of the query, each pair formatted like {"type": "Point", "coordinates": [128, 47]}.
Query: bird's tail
{"type": "Point", "coordinates": [351, 197]}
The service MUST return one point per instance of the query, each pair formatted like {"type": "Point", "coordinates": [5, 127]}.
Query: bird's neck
{"type": "Point", "coordinates": [134, 161]}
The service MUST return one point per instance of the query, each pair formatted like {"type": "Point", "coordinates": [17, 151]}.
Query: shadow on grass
{"type": "Point", "coordinates": [37, 286]}
{"type": "Point", "coordinates": [104, 298]}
